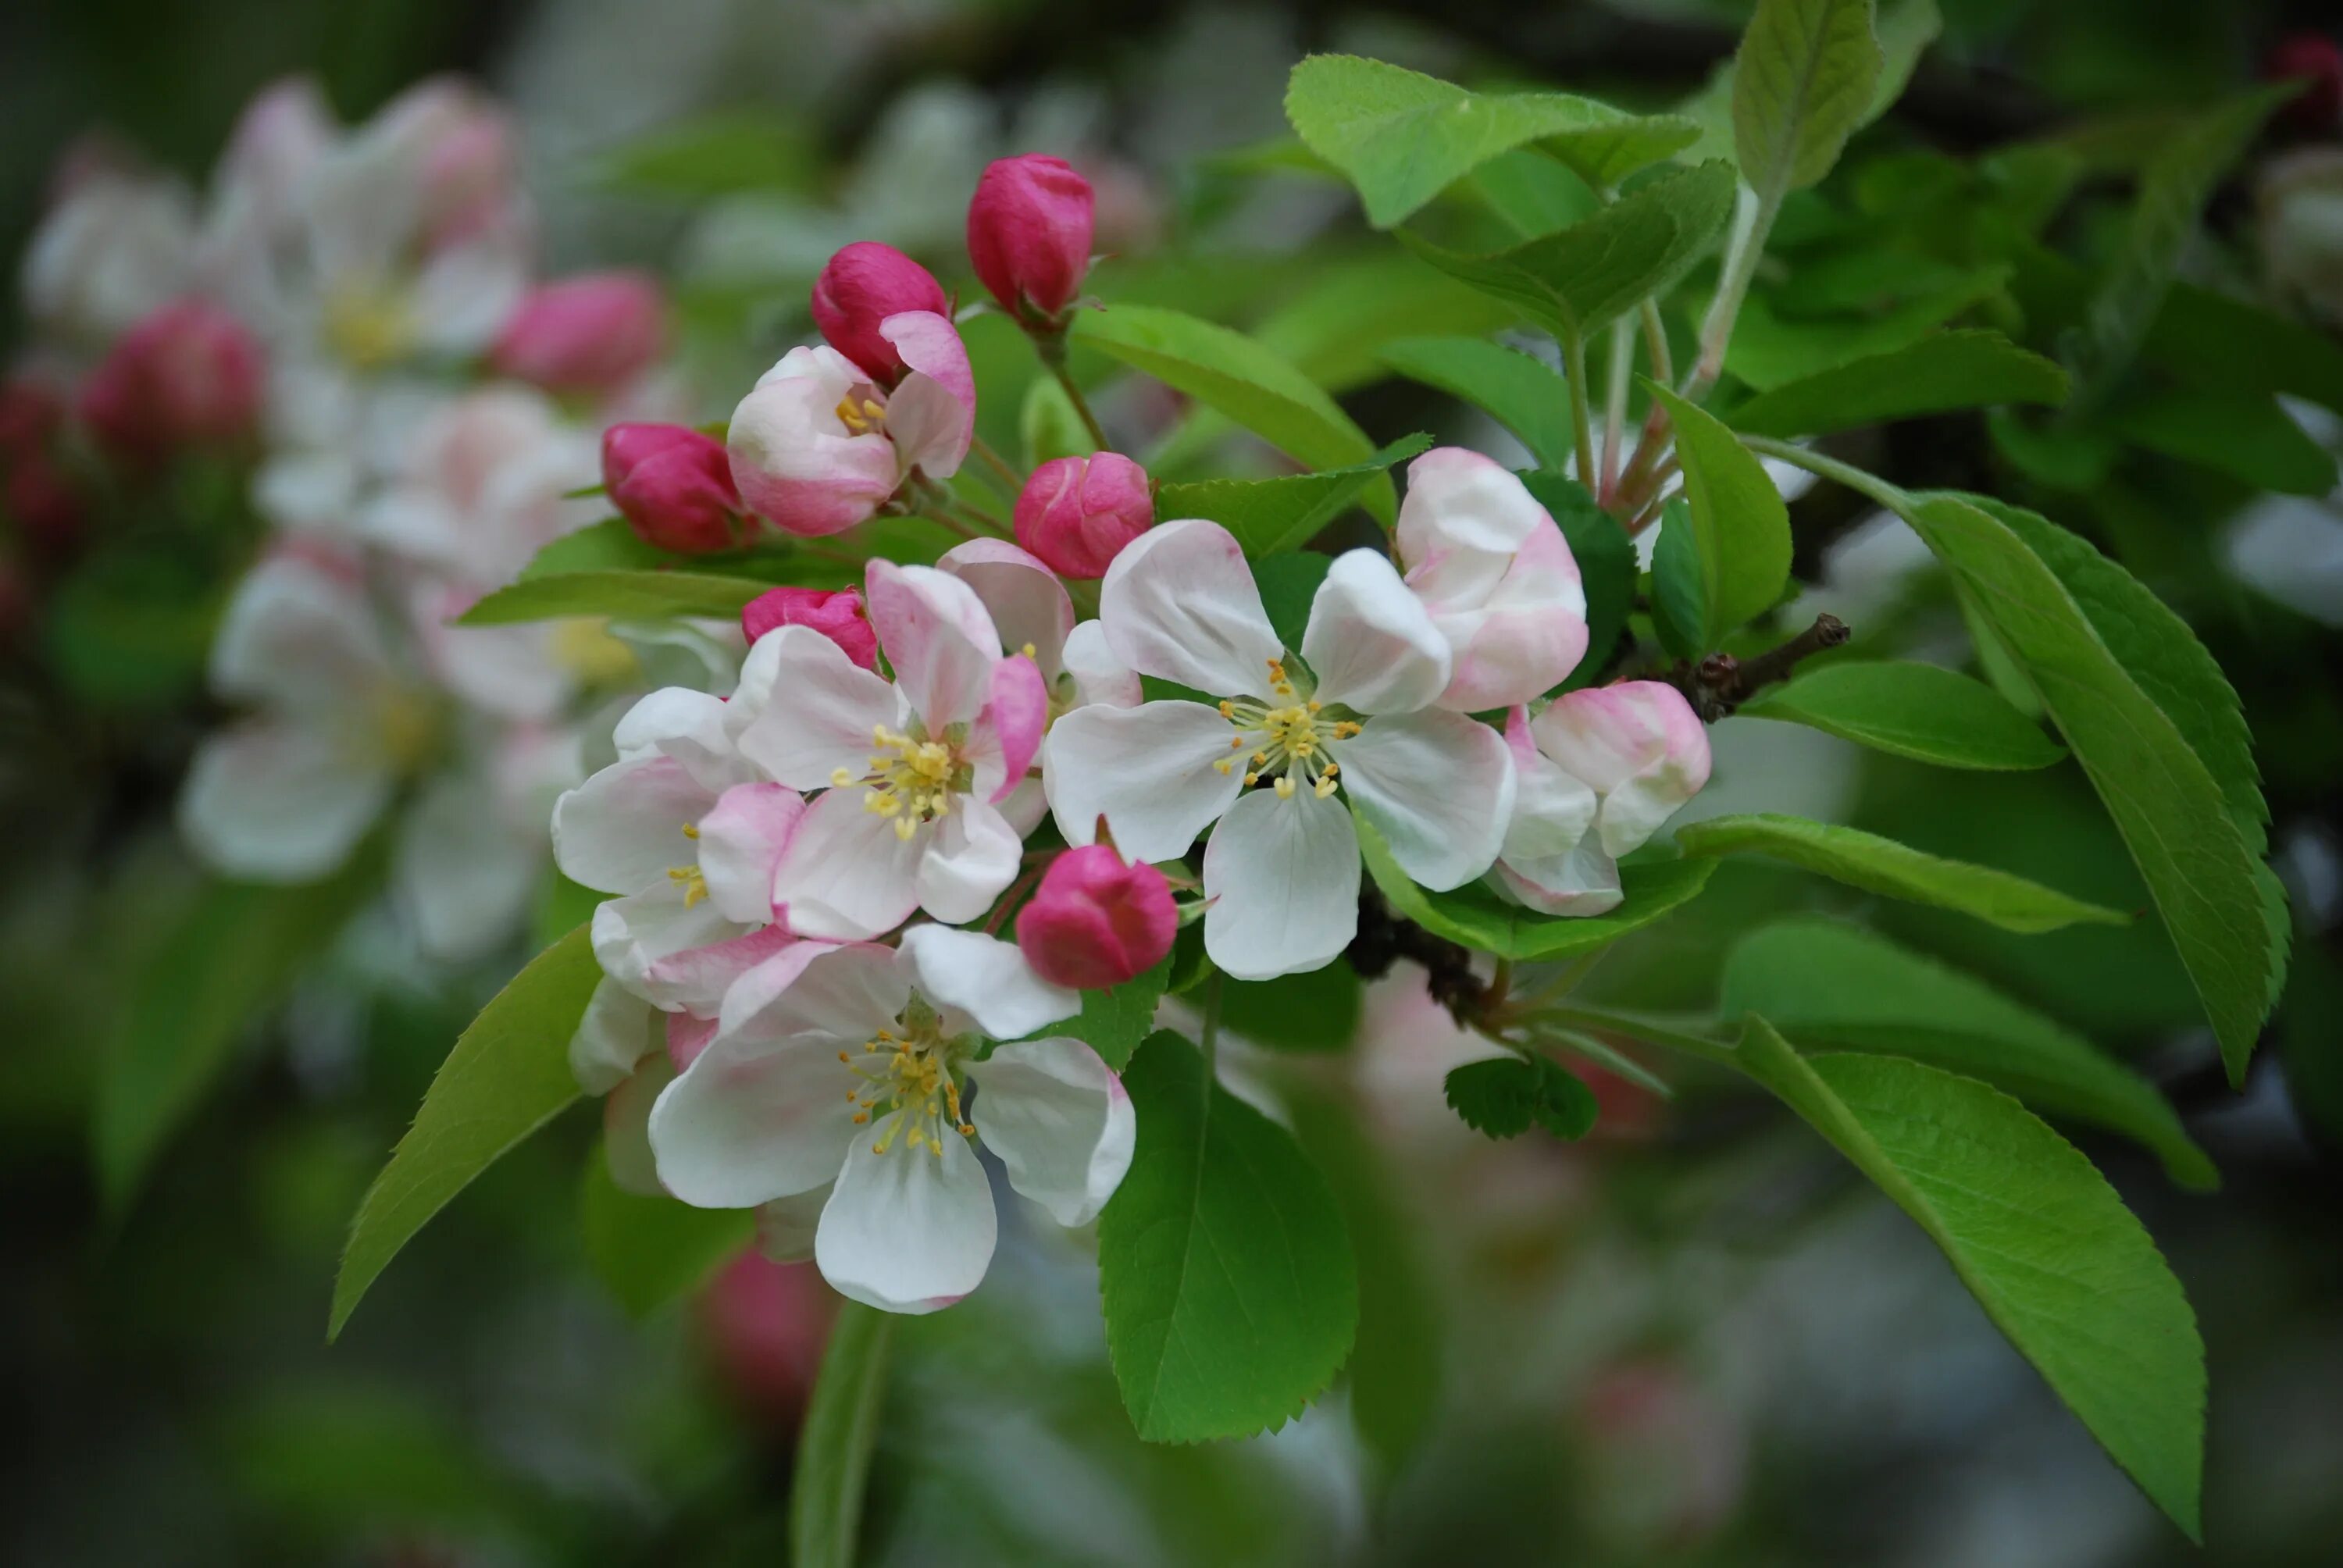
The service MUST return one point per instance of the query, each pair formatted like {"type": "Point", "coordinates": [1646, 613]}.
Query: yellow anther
{"type": "Point", "coordinates": [1284, 786]}
{"type": "Point", "coordinates": [1028, 652]}
{"type": "Point", "coordinates": [1236, 742]}
{"type": "Point", "coordinates": [1315, 705]}
{"type": "Point", "coordinates": [840, 778]}
{"type": "Point", "coordinates": [1225, 766]}
{"type": "Point", "coordinates": [1228, 708]}
{"type": "Point", "coordinates": [905, 828]}
{"type": "Point", "coordinates": [1324, 787]}
{"type": "Point", "coordinates": [691, 830]}
{"type": "Point", "coordinates": [1252, 780]}
{"type": "Point", "coordinates": [689, 877]}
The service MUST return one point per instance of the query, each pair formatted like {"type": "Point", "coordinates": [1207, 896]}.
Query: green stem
{"type": "Point", "coordinates": [938, 515]}
{"type": "Point", "coordinates": [1647, 1031]}
{"type": "Point", "coordinates": [1582, 419]}
{"type": "Point", "coordinates": [1656, 343]}
{"type": "Point", "coordinates": [1211, 1042]}
{"type": "Point", "coordinates": [1754, 221]}
{"type": "Point", "coordinates": [998, 465]}
{"type": "Point", "coordinates": [1052, 350]}
{"type": "Point", "coordinates": [1814, 462]}
{"type": "Point", "coordinates": [1615, 408]}
{"type": "Point", "coordinates": [841, 1428]}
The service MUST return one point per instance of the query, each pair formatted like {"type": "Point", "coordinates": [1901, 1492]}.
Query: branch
{"type": "Point", "coordinates": [1384, 939]}
{"type": "Point", "coordinates": [1721, 683]}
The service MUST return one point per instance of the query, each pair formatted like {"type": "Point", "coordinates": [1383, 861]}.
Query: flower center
{"type": "Point", "coordinates": [690, 878]}
{"type": "Point", "coordinates": [910, 779]}
{"type": "Point", "coordinates": [368, 323]}
{"type": "Point", "coordinates": [1287, 738]}
{"type": "Point", "coordinates": [860, 413]}
{"type": "Point", "coordinates": [904, 1082]}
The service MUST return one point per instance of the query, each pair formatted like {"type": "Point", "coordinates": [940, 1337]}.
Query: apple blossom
{"type": "Point", "coordinates": [673, 485]}
{"type": "Point", "coordinates": [1495, 573]}
{"type": "Point", "coordinates": [859, 287]}
{"type": "Point", "coordinates": [916, 770]}
{"type": "Point", "coordinates": [1356, 713]}
{"type": "Point", "coordinates": [1030, 609]}
{"type": "Point", "coordinates": [819, 447]}
{"type": "Point", "coordinates": [1600, 769]}
{"type": "Point", "coordinates": [1076, 512]}
{"type": "Point", "coordinates": [594, 333]}
{"type": "Point", "coordinates": [115, 248]}
{"type": "Point", "coordinates": [840, 1087]}
{"type": "Point", "coordinates": [836, 613]}
{"type": "Point", "coordinates": [189, 375]}
{"type": "Point", "coordinates": [1097, 920]}
{"type": "Point", "coordinates": [1029, 235]}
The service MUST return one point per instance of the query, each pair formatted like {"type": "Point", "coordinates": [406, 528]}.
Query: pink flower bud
{"type": "Point", "coordinates": [863, 285]}
{"type": "Point", "coordinates": [2314, 58]}
{"type": "Point", "coordinates": [1077, 513]}
{"type": "Point", "coordinates": [673, 485]}
{"type": "Point", "coordinates": [1095, 920]}
{"type": "Point", "coordinates": [838, 615]}
{"type": "Point", "coordinates": [1029, 235]}
{"type": "Point", "coordinates": [593, 333]}
{"type": "Point", "coordinates": [188, 374]}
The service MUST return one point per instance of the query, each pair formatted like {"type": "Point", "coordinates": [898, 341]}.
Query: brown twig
{"type": "Point", "coordinates": [1384, 939]}
{"type": "Point", "coordinates": [1721, 683]}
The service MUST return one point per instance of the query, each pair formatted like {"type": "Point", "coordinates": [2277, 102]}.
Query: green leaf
{"type": "Point", "coordinates": [2180, 179]}
{"type": "Point", "coordinates": [508, 1076]}
{"type": "Point", "coordinates": [1224, 1267]}
{"type": "Point", "coordinates": [1878, 865]}
{"type": "Point", "coordinates": [1284, 513]}
{"type": "Point", "coordinates": [1229, 372]}
{"type": "Point", "coordinates": [1317, 1011]}
{"type": "Point", "coordinates": [1679, 601]}
{"type": "Point", "coordinates": [1771, 350]}
{"type": "Point", "coordinates": [1289, 586]}
{"type": "Point", "coordinates": [1824, 982]}
{"type": "Point", "coordinates": [1607, 564]}
{"type": "Point", "coordinates": [1904, 30]}
{"type": "Point", "coordinates": [1475, 916]}
{"type": "Point", "coordinates": [619, 594]}
{"type": "Point", "coordinates": [1802, 80]}
{"type": "Point", "coordinates": [229, 962]}
{"type": "Point", "coordinates": [1505, 1096]}
{"type": "Point", "coordinates": [2174, 814]}
{"type": "Point", "coordinates": [1960, 369]}
{"type": "Point", "coordinates": [650, 1249]}
{"type": "Point", "coordinates": [1402, 137]}
{"type": "Point", "coordinates": [719, 155]}
{"type": "Point", "coordinates": [1335, 324]}
{"type": "Point", "coordinates": [1048, 426]}
{"type": "Point", "coordinates": [1739, 523]}
{"type": "Point", "coordinates": [1573, 282]}
{"type": "Point", "coordinates": [2058, 1264]}
{"type": "Point", "coordinates": [611, 544]}
{"type": "Point", "coordinates": [2246, 437]}
{"type": "Point", "coordinates": [1115, 1021]}
{"type": "Point", "coordinates": [841, 1428]}
{"type": "Point", "coordinates": [1512, 388]}
{"type": "Point", "coordinates": [1923, 711]}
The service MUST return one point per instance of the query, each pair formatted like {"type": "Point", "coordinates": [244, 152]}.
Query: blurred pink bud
{"type": "Point", "coordinates": [46, 508]}
{"type": "Point", "coordinates": [838, 615]}
{"type": "Point", "coordinates": [2315, 59]}
{"type": "Point", "coordinates": [766, 1324]}
{"type": "Point", "coordinates": [1096, 921]}
{"type": "Point", "coordinates": [863, 285]}
{"type": "Point", "coordinates": [1077, 513]}
{"type": "Point", "coordinates": [593, 333]}
{"type": "Point", "coordinates": [1028, 234]}
{"type": "Point", "coordinates": [188, 374]}
{"type": "Point", "coordinates": [30, 413]}
{"type": "Point", "coordinates": [673, 485]}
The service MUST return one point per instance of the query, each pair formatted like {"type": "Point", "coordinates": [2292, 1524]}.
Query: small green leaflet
{"type": "Point", "coordinates": [1969, 368]}
{"type": "Point", "coordinates": [1923, 711]}
{"type": "Point", "coordinates": [1905, 28]}
{"type": "Point", "coordinates": [1607, 564]}
{"type": "Point", "coordinates": [1476, 917]}
{"type": "Point", "coordinates": [1224, 1267]}
{"type": "Point", "coordinates": [1229, 372]}
{"type": "Point", "coordinates": [1826, 983]}
{"type": "Point", "coordinates": [2037, 1235]}
{"type": "Point", "coordinates": [618, 595]}
{"type": "Point", "coordinates": [1402, 137]}
{"type": "Point", "coordinates": [1506, 1096]}
{"type": "Point", "coordinates": [1878, 865]}
{"type": "Point", "coordinates": [1519, 392]}
{"type": "Point", "coordinates": [1114, 1020]}
{"type": "Point", "coordinates": [508, 1076]}
{"type": "Point", "coordinates": [1739, 524]}
{"type": "Point", "coordinates": [841, 1428]}
{"type": "Point", "coordinates": [1802, 80]}
{"type": "Point", "coordinates": [1269, 516]}
{"type": "Point", "coordinates": [648, 1249]}
{"type": "Point", "coordinates": [1573, 282]}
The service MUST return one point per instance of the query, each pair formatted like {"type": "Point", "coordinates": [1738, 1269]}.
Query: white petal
{"type": "Point", "coordinates": [689, 726]}
{"type": "Point", "coordinates": [620, 831]}
{"type": "Point", "coordinates": [464, 870]}
{"type": "Point", "coordinates": [908, 1231]}
{"type": "Point", "coordinates": [752, 1121]}
{"type": "Point", "coordinates": [1552, 810]}
{"type": "Point", "coordinates": [984, 979]}
{"type": "Point", "coordinates": [278, 801]}
{"type": "Point", "coordinates": [741, 840]}
{"type": "Point", "coordinates": [1180, 604]}
{"type": "Point", "coordinates": [1099, 676]}
{"type": "Point", "coordinates": [1457, 498]}
{"type": "Point", "coordinates": [843, 994]}
{"type": "Point", "coordinates": [1638, 743]}
{"type": "Point", "coordinates": [1583, 881]}
{"type": "Point", "coordinates": [619, 1031]}
{"type": "Point", "coordinates": [1371, 642]}
{"type": "Point", "coordinates": [696, 979]}
{"type": "Point", "coordinates": [299, 633]}
{"type": "Point", "coordinates": [971, 857]}
{"type": "Point", "coordinates": [819, 713]}
{"type": "Point", "coordinates": [1060, 1121]}
{"type": "Point", "coordinates": [631, 935]}
{"type": "Point", "coordinates": [937, 637]}
{"type": "Point", "coordinates": [845, 874]}
{"type": "Point", "coordinates": [1437, 786]}
{"type": "Point", "coordinates": [1027, 602]}
{"type": "Point", "coordinates": [1284, 879]}
{"type": "Point", "coordinates": [1147, 770]}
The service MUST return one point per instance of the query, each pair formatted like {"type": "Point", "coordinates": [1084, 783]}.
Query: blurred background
{"type": "Point", "coordinates": [1693, 1339]}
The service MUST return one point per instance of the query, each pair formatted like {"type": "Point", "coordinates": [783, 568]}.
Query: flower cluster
{"type": "Point", "coordinates": [802, 983]}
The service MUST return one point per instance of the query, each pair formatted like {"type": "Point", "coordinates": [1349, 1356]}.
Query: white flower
{"type": "Point", "coordinates": [1601, 769]}
{"type": "Point", "coordinates": [114, 249]}
{"type": "Point", "coordinates": [843, 1086]}
{"type": "Point", "coordinates": [1353, 716]}
{"type": "Point", "coordinates": [918, 770]}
